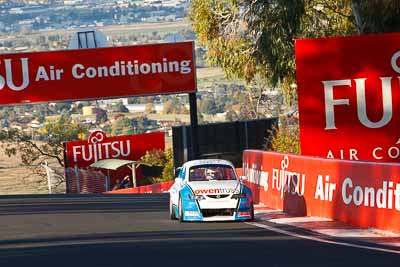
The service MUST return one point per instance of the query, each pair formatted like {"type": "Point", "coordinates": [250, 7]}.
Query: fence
{"type": "Point", "coordinates": [55, 176]}
{"type": "Point", "coordinates": [81, 180]}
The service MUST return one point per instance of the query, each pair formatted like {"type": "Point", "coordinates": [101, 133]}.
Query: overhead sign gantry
{"type": "Point", "coordinates": [97, 73]}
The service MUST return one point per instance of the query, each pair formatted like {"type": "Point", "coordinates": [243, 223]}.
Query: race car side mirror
{"type": "Point", "coordinates": [177, 171]}
{"type": "Point", "coordinates": [243, 178]}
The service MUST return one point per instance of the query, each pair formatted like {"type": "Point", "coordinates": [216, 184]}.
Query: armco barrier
{"type": "Point", "coordinates": [365, 194]}
{"type": "Point", "coordinates": [154, 188]}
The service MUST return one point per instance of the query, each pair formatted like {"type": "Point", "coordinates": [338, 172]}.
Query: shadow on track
{"type": "Point", "coordinates": [65, 204]}
{"type": "Point", "coordinates": [244, 247]}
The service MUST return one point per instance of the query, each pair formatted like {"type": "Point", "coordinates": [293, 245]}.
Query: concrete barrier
{"type": "Point", "coordinates": [365, 194]}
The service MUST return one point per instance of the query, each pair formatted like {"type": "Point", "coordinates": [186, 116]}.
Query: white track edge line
{"type": "Point", "coordinates": [277, 230]}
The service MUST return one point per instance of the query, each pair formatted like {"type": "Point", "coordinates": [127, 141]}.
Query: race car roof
{"type": "Point", "coordinates": [198, 162]}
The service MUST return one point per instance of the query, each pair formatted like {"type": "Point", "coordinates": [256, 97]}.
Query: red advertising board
{"type": "Point", "coordinates": [81, 154]}
{"type": "Point", "coordinates": [365, 194]}
{"type": "Point", "coordinates": [349, 97]}
{"type": "Point", "coordinates": [97, 73]}
{"type": "Point", "coordinates": [145, 189]}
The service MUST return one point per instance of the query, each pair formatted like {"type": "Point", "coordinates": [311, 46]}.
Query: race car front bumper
{"type": "Point", "coordinates": [192, 211]}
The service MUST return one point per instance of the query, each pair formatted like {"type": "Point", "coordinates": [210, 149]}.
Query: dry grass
{"type": "Point", "coordinates": [18, 179]}
{"type": "Point", "coordinates": [209, 72]}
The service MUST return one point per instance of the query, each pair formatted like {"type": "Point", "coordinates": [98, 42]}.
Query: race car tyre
{"type": "Point", "coordinates": [171, 211]}
{"type": "Point", "coordinates": [252, 212]}
{"type": "Point", "coordinates": [180, 210]}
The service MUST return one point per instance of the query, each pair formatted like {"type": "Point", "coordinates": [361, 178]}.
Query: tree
{"type": "Point", "coordinates": [173, 106]}
{"type": "Point", "coordinates": [255, 39]}
{"type": "Point", "coordinates": [121, 108]}
{"type": "Point", "coordinates": [376, 16]}
{"type": "Point", "coordinates": [286, 138]}
{"type": "Point", "coordinates": [163, 159]}
{"type": "Point", "coordinates": [128, 130]}
{"type": "Point", "coordinates": [208, 106]}
{"type": "Point", "coordinates": [126, 126]}
{"type": "Point", "coordinates": [231, 116]}
{"type": "Point", "coordinates": [122, 126]}
{"type": "Point", "coordinates": [101, 115]}
{"type": "Point", "coordinates": [51, 149]}
{"type": "Point", "coordinates": [107, 129]}
{"type": "Point", "coordinates": [62, 106]}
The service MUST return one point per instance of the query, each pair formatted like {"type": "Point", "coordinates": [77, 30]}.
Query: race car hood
{"type": "Point", "coordinates": [215, 187]}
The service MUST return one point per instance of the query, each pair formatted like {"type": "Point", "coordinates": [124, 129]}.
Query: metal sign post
{"type": "Point", "coordinates": [194, 126]}
{"type": "Point", "coordinates": [133, 169]}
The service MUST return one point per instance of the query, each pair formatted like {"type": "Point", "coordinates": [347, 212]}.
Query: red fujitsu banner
{"type": "Point", "coordinates": [97, 73]}
{"type": "Point", "coordinates": [349, 97]}
{"type": "Point", "coordinates": [366, 194]}
{"type": "Point", "coordinates": [131, 147]}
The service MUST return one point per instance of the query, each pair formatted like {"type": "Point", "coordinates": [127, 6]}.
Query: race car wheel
{"type": "Point", "coordinates": [180, 210]}
{"type": "Point", "coordinates": [252, 212]}
{"type": "Point", "coordinates": [171, 211]}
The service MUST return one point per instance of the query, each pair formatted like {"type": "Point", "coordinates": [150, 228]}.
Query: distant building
{"type": "Point", "coordinates": [174, 38]}
{"type": "Point", "coordinates": [16, 11]}
{"type": "Point", "coordinates": [35, 124]}
{"type": "Point", "coordinates": [142, 107]}
{"type": "Point", "coordinates": [87, 111]}
{"type": "Point", "coordinates": [72, 2]}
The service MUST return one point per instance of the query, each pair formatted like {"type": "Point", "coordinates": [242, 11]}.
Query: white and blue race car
{"type": "Point", "coordinates": [209, 190]}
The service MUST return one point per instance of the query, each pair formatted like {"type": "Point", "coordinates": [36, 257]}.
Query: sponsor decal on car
{"type": "Point", "coordinates": [216, 191]}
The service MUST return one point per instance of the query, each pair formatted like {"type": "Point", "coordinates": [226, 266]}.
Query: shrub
{"type": "Point", "coordinates": [163, 159]}
{"type": "Point", "coordinates": [286, 139]}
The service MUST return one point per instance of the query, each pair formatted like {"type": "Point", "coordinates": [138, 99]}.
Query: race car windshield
{"type": "Point", "coordinates": [211, 173]}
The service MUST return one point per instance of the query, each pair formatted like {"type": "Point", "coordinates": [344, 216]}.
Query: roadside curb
{"type": "Point", "coordinates": [327, 228]}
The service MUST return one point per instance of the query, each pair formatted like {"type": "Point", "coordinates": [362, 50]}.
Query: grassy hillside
{"type": "Point", "coordinates": [18, 179]}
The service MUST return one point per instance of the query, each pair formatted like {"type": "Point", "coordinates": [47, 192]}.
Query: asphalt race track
{"type": "Point", "coordinates": [135, 230]}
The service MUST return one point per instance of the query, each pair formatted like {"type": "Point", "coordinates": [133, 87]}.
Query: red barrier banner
{"type": "Point", "coordinates": [361, 193]}
{"type": "Point", "coordinates": [97, 73]}
{"type": "Point", "coordinates": [349, 97]}
{"type": "Point", "coordinates": [145, 189]}
{"type": "Point", "coordinates": [98, 146]}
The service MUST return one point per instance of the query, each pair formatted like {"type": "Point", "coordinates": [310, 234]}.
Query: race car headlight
{"type": "Point", "coordinates": [237, 196]}
{"type": "Point", "coordinates": [196, 197]}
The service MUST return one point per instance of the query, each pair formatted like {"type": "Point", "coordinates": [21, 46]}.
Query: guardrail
{"type": "Point", "coordinates": [366, 194]}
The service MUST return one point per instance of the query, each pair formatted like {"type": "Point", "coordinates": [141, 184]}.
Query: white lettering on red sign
{"type": "Point", "coordinates": [324, 191]}
{"type": "Point", "coordinates": [283, 181]}
{"type": "Point", "coordinates": [383, 197]}
{"type": "Point", "coordinates": [256, 176]}
{"type": "Point", "coordinates": [288, 181]}
{"type": "Point", "coordinates": [79, 71]}
{"type": "Point", "coordinates": [330, 102]}
{"type": "Point", "coordinates": [100, 151]}
{"type": "Point", "coordinates": [353, 94]}
{"type": "Point", "coordinates": [9, 76]}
